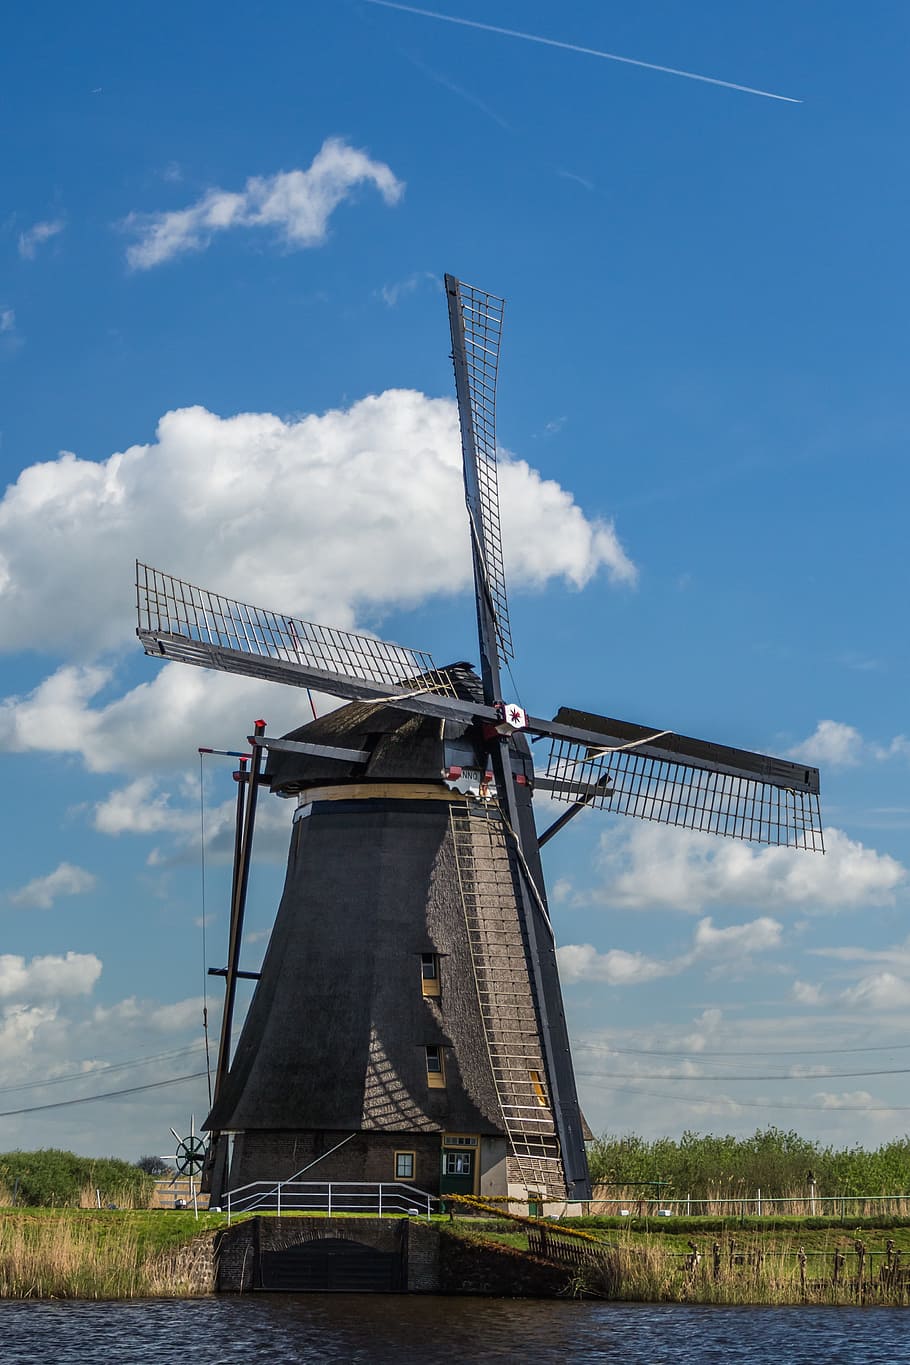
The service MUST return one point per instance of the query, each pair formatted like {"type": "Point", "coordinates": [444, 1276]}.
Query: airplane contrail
{"type": "Point", "coordinates": [586, 51]}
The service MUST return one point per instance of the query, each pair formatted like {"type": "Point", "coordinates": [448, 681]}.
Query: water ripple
{"type": "Point", "coordinates": [400, 1330]}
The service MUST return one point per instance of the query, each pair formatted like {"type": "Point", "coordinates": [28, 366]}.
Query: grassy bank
{"type": "Point", "coordinates": [756, 1269]}
{"type": "Point", "coordinates": [101, 1254]}
{"type": "Point", "coordinates": [709, 1261]}
{"type": "Point", "coordinates": [96, 1254]}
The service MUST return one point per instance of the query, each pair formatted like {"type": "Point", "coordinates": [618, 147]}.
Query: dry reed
{"type": "Point", "coordinates": [84, 1258]}
{"type": "Point", "coordinates": [742, 1273]}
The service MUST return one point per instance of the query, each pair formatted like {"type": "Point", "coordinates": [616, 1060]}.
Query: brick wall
{"type": "Point", "coordinates": [468, 1266]}
{"type": "Point", "coordinates": [437, 1261]}
{"type": "Point", "coordinates": [368, 1157]}
{"type": "Point", "coordinates": [238, 1247]}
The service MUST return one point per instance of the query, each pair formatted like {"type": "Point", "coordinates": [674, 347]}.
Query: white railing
{"type": "Point", "coordinates": [329, 1197]}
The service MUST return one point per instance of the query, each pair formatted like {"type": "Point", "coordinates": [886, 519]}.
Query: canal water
{"type": "Point", "coordinates": [402, 1330]}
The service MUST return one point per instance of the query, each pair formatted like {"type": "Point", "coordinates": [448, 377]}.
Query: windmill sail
{"type": "Point", "coordinates": [475, 320]}
{"type": "Point", "coordinates": [180, 621]}
{"type": "Point", "coordinates": [630, 770]}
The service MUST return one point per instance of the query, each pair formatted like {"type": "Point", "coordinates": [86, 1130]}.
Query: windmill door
{"type": "Point", "coordinates": [459, 1164]}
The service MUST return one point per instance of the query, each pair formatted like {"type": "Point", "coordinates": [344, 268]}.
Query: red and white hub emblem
{"type": "Point", "coordinates": [512, 718]}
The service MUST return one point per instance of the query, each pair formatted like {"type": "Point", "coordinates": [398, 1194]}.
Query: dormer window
{"type": "Point", "coordinates": [436, 1076]}
{"type": "Point", "coordinates": [429, 973]}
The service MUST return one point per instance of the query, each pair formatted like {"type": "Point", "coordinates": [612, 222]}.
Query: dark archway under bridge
{"type": "Point", "coordinates": [320, 1255]}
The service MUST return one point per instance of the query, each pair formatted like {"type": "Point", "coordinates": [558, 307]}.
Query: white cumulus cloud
{"type": "Point", "coordinates": [837, 745]}
{"type": "Point", "coordinates": [653, 866]}
{"type": "Point", "coordinates": [154, 727]}
{"type": "Point", "coordinates": [138, 808]}
{"type": "Point", "coordinates": [833, 743]}
{"type": "Point", "coordinates": [844, 1099]}
{"type": "Point", "coordinates": [880, 991]}
{"type": "Point", "coordinates": [263, 509]}
{"type": "Point", "coordinates": [582, 962]}
{"type": "Point", "coordinates": [805, 993]}
{"type": "Point", "coordinates": [47, 978]}
{"type": "Point", "coordinates": [733, 944]}
{"type": "Point", "coordinates": [42, 892]}
{"type": "Point", "coordinates": [151, 1015]}
{"type": "Point", "coordinates": [758, 936]}
{"type": "Point", "coordinates": [296, 204]}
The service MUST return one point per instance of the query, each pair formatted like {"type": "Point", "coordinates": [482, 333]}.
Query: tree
{"type": "Point", "coordinates": [153, 1165]}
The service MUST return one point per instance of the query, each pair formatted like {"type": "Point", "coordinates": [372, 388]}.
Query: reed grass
{"type": "Point", "coordinates": [120, 1196]}
{"type": "Point", "coordinates": [68, 1255]}
{"type": "Point", "coordinates": [751, 1271]}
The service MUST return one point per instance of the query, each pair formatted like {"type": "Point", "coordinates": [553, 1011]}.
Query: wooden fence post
{"type": "Point", "coordinates": [715, 1255]}
{"type": "Point", "coordinates": [860, 1268]}
{"type": "Point", "coordinates": [802, 1271]}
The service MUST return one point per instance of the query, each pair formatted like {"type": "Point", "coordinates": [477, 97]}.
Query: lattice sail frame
{"type": "Point", "coordinates": [674, 792]}
{"type": "Point", "coordinates": [172, 607]}
{"type": "Point", "coordinates": [481, 315]}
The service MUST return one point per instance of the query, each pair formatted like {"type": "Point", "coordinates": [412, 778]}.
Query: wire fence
{"type": "Point", "coordinates": [756, 1205]}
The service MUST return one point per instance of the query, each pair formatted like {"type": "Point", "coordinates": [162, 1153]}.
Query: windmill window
{"type": "Point", "coordinates": [404, 1165]}
{"type": "Point", "coordinates": [457, 1163]}
{"type": "Point", "coordinates": [436, 1076]}
{"type": "Point", "coordinates": [537, 1087]}
{"type": "Point", "coordinates": [429, 973]}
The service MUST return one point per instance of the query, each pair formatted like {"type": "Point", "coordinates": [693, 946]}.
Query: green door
{"type": "Point", "coordinates": [457, 1175]}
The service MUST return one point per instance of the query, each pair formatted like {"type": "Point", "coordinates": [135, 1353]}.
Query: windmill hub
{"type": "Point", "coordinates": [512, 718]}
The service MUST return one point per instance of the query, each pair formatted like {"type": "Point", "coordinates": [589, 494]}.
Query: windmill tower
{"type": "Point", "coordinates": [407, 1023]}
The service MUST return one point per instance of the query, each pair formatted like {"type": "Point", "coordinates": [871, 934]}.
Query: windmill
{"type": "Point", "coordinates": [189, 1159]}
{"type": "Point", "coordinates": [407, 1022]}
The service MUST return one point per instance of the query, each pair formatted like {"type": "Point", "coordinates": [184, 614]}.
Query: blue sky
{"type": "Point", "coordinates": [221, 250]}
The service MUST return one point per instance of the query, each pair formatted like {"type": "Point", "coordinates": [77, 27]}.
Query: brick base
{"type": "Point", "coordinates": [368, 1157]}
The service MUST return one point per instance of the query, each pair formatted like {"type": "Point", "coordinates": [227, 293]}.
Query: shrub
{"type": "Point", "coordinates": [772, 1160]}
{"type": "Point", "coordinates": [56, 1178]}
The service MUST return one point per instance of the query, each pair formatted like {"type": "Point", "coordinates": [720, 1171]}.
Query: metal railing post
{"type": "Point", "coordinates": [380, 1199]}
{"type": "Point", "coordinates": [279, 1198]}
{"type": "Point", "coordinates": [229, 1208]}
{"type": "Point", "coordinates": [330, 1199]}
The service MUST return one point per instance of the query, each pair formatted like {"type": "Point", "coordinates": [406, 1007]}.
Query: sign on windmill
{"type": "Point", "coordinates": [189, 1160]}
{"type": "Point", "coordinates": [409, 996]}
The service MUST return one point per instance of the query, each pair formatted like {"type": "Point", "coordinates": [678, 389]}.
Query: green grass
{"type": "Point", "coordinates": [154, 1229]}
